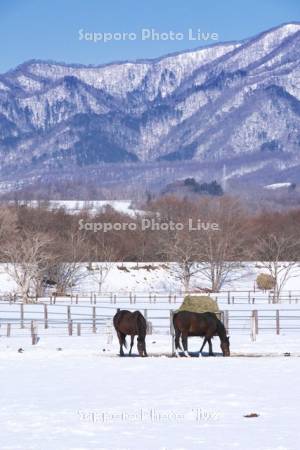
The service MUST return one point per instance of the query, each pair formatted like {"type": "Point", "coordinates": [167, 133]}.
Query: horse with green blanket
{"type": "Point", "coordinates": [197, 316]}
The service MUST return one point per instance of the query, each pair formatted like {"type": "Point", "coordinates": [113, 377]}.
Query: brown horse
{"type": "Point", "coordinates": [133, 324]}
{"type": "Point", "coordinates": [205, 325]}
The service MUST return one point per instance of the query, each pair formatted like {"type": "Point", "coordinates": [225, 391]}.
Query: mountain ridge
{"type": "Point", "coordinates": [214, 103]}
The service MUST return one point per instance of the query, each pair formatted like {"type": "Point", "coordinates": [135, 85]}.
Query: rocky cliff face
{"type": "Point", "coordinates": [229, 102]}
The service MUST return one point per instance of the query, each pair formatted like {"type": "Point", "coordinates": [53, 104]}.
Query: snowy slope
{"type": "Point", "coordinates": [126, 277]}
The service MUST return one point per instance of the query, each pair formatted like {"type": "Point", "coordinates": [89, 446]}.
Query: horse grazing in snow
{"type": "Point", "coordinates": [205, 325]}
{"type": "Point", "coordinates": [133, 324]}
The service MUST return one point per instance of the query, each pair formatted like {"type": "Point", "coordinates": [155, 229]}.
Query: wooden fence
{"type": "Point", "coordinates": [77, 320]}
{"type": "Point", "coordinates": [236, 297]}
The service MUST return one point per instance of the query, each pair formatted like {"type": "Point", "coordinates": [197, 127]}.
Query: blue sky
{"type": "Point", "coordinates": [49, 29]}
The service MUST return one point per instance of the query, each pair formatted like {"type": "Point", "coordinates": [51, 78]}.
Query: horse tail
{"type": "Point", "coordinates": [177, 333]}
{"type": "Point", "coordinates": [173, 319]}
{"type": "Point", "coordinates": [116, 320]}
{"type": "Point", "coordinates": [141, 323]}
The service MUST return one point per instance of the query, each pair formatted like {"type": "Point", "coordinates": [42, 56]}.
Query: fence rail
{"type": "Point", "coordinates": [236, 297]}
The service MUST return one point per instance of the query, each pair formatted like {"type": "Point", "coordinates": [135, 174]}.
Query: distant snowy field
{"type": "Point", "coordinates": [84, 398]}
{"type": "Point", "coordinates": [93, 206]}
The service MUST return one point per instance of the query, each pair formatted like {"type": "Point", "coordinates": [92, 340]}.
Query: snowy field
{"type": "Point", "coordinates": [76, 393]}
{"type": "Point", "coordinates": [82, 397]}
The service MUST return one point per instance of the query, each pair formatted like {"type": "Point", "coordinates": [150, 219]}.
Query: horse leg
{"type": "Point", "coordinates": [144, 345]}
{"type": "Point", "coordinates": [121, 338]}
{"type": "Point", "coordinates": [177, 342]}
{"type": "Point", "coordinates": [184, 339]}
{"type": "Point", "coordinates": [210, 347]}
{"type": "Point", "coordinates": [202, 347]}
{"type": "Point", "coordinates": [131, 344]}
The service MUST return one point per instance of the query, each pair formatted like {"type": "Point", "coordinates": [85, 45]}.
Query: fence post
{"type": "Point", "coordinates": [277, 322]}
{"type": "Point", "coordinates": [228, 297]}
{"type": "Point", "coordinates": [22, 315]}
{"type": "Point", "coordinates": [76, 299]}
{"type": "Point", "coordinates": [254, 325]}
{"type": "Point", "coordinates": [34, 332]}
{"type": "Point", "coordinates": [46, 315]}
{"type": "Point", "coordinates": [69, 313]}
{"type": "Point", "coordinates": [70, 327]}
{"type": "Point", "coordinates": [94, 319]}
{"type": "Point", "coordinates": [8, 331]}
{"type": "Point", "coordinates": [78, 329]}
{"type": "Point", "coordinates": [226, 320]}
{"type": "Point", "coordinates": [256, 320]}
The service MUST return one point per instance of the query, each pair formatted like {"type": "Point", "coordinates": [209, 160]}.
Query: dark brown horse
{"type": "Point", "coordinates": [133, 324]}
{"type": "Point", "coordinates": [205, 325]}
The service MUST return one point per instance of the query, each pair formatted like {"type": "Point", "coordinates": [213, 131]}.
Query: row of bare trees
{"type": "Point", "coordinates": [38, 245]}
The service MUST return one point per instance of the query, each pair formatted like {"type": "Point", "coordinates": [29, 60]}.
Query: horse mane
{"type": "Point", "coordinates": [221, 330]}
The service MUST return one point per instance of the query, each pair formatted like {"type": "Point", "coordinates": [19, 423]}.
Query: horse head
{"type": "Point", "coordinates": [225, 346]}
{"type": "Point", "coordinates": [141, 346]}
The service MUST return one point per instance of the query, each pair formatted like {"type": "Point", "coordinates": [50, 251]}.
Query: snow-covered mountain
{"type": "Point", "coordinates": [236, 103]}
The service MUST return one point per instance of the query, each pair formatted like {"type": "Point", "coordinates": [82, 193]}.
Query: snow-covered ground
{"type": "Point", "coordinates": [278, 185]}
{"type": "Point", "coordinates": [83, 398]}
{"type": "Point", "coordinates": [76, 393]}
{"type": "Point", "coordinates": [154, 277]}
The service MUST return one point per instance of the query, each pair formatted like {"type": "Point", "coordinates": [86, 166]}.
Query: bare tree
{"type": "Point", "coordinates": [27, 258]}
{"type": "Point", "coordinates": [8, 224]}
{"type": "Point", "coordinates": [181, 248]}
{"type": "Point", "coordinates": [67, 268]}
{"type": "Point", "coordinates": [278, 254]}
{"type": "Point", "coordinates": [101, 269]}
{"type": "Point", "coordinates": [221, 249]}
